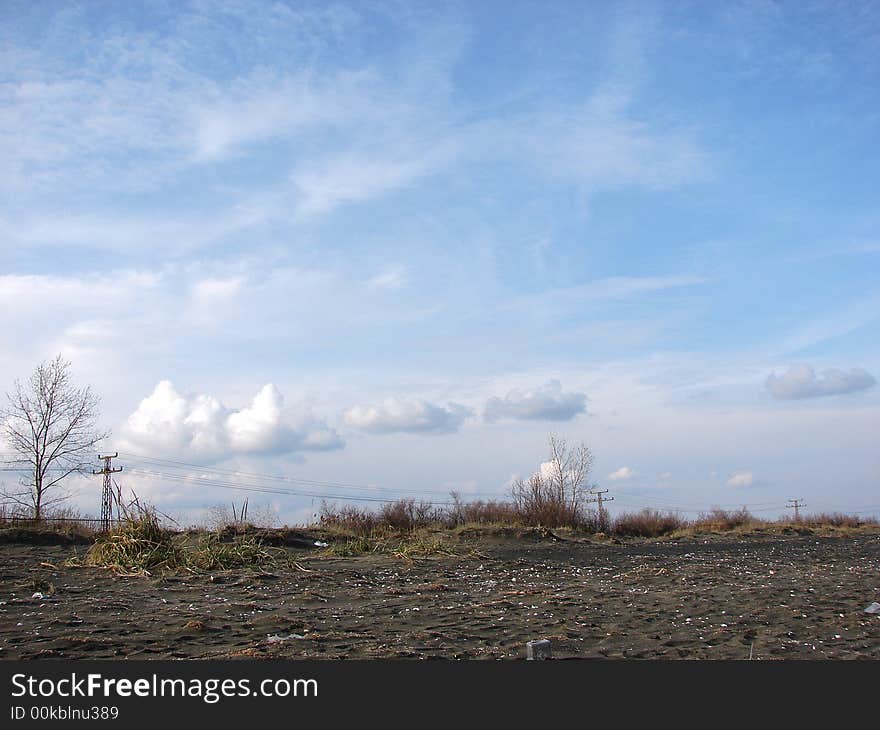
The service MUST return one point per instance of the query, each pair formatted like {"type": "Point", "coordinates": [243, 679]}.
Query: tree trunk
{"type": "Point", "coordinates": [38, 496]}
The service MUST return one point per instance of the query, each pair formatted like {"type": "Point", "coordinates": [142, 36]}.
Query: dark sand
{"type": "Point", "coordinates": [776, 597]}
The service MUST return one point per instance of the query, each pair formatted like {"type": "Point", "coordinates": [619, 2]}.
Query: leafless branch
{"type": "Point", "coordinates": [51, 424]}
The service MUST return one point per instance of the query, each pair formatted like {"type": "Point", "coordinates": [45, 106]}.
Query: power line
{"type": "Point", "coordinates": [255, 482]}
{"type": "Point", "coordinates": [203, 481]}
{"type": "Point", "coordinates": [689, 505]}
{"type": "Point", "coordinates": [251, 476]}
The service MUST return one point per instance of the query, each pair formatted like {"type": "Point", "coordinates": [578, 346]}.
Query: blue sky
{"type": "Point", "coordinates": [397, 245]}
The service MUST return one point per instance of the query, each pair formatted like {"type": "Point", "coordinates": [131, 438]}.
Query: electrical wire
{"type": "Point", "coordinates": [258, 477]}
{"type": "Point", "coordinates": [167, 470]}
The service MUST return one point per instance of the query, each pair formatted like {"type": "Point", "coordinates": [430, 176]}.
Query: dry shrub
{"type": "Point", "coordinates": [540, 502]}
{"type": "Point", "coordinates": [647, 523]}
{"type": "Point", "coordinates": [406, 515]}
{"type": "Point", "coordinates": [551, 513]}
{"type": "Point", "coordinates": [718, 519]}
{"type": "Point", "coordinates": [354, 520]}
{"type": "Point", "coordinates": [490, 512]}
{"type": "Point", "coordinates": [554, 496]}
{"type": "Point", "coordinates": [837, 519]}
{"type": "Point", "coordinates": [403, 515]}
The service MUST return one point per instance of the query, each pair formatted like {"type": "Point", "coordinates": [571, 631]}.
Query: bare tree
{"type": "Point", "coordinates": [51, 424]}
{"type": "Point", "coordinates": [554, 494]}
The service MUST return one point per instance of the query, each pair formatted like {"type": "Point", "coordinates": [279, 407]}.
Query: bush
{"type": "Point", "coordinates": [837, 519]}
{"type": "Point", "coordinates": [355, 520]}
{"type": "Point", "coordinates": [647, 523]}
{"type": "Point", "coordinates": [491, 512]}
{"type": "Point", "coordinates": [719, 519]}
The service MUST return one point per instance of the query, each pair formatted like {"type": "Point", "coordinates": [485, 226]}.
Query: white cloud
{"type": "Point", "coordinates": [544, 403]}
{"type": "Point", "coordinates": [327, 185]}
{"type": "Point", "coordinates": [200, 426]}
{"type": "Point", "coordinates": [741, 479]}
{"type": "Point", "coordinates": [392, 279]}
{"type": "Point", "coordinates": [396, 415]}
{"type": "Point", "coordinates": [623, 473]}
{"type": "Point", "coordinates": [801, 381]}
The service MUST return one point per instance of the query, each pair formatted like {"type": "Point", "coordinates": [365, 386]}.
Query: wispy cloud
{"type": "Point", "coordinates": [396, 415]}
{"type": "Point", "coordinates": [610, 289]}
{"type": "Point", "coordinates": [831, 325]}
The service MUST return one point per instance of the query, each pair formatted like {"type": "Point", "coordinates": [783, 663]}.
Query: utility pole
{"type": "Point", "coordinates": [107, 491]}
{"type": "Point", "coordinates": [796, 504]}
{"type": "Point", "coordinates": [600, 499]}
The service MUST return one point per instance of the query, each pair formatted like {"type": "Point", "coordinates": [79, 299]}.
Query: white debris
{"type": "Point", "coordinates": [538, 650]}
{"type": "Point", "coordinates": [275, 639]}
{"type": "Point", "coordinates": [873, 608]}
{"type": "Point", "coordinates": [318, 543]}
{"type": "Point", "coordinates": [38, 596]}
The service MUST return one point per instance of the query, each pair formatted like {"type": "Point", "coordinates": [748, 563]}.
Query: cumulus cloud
{"type": "Point", "coordinates": [544, 403]}
{"type": "Point", "coordinates": [741, 479]}
{"type": "Point", "coordinates": [396, 415]}
{"type": "Point", "coordinates": [623, 473]}
{"type": "Point", "coordinates": [200, 426]}
{"type": "Point", "coordinates": [801, 381]}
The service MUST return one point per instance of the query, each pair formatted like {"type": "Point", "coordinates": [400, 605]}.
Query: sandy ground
{"type": "Point", "coordinates": [774, 597]}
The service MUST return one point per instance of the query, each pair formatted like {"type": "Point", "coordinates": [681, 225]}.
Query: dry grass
{"type": "Point", "coordinates": [409, 547]}
{"type": "Point", "coordinates": [140, 546]}
{"type": "Point", "coordinates": [67, 522]}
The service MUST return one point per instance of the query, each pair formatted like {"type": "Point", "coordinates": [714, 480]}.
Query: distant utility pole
{"type": "Point", "coordinates": [600, 499]}
{"type": "Point", "coordinates": [107, 491]}
{"type": "Point", "coordinates": [796, 504]}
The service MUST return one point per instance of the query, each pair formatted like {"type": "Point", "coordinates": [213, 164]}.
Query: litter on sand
{"type": "Point", "coordinates": [275, 639]}
{"type": "Point", "coordinates": [538, 650]}
{"type": "Point", "coordinates": [38, 596]}
{"type": "Point", "coordinates": [873, 608]}
{"type": "Point", "coordinates": [318, 543]}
